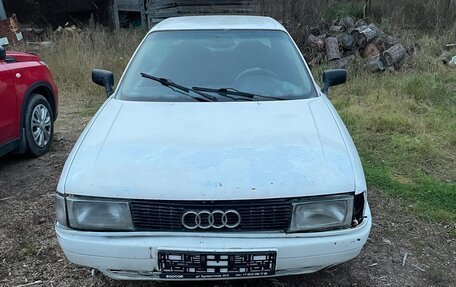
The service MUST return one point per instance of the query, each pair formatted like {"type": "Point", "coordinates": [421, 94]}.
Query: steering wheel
{"type": "Point", "coordinates": [256, 72]}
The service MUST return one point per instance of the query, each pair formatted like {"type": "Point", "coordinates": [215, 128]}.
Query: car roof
{"type": "Point", "coordinates": [218, 23]}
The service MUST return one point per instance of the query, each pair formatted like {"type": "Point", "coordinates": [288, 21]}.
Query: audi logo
{"type": "Point", "coordinates": [206, 219]}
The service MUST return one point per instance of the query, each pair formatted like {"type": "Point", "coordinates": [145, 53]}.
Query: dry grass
{"type": "Point", "coordinates": [74, 55]}
{"type": "Point", "coordinates": [417, 14]}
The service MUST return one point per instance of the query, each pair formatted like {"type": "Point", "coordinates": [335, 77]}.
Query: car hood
{"type": "Point", "coordinates": [210, 151]}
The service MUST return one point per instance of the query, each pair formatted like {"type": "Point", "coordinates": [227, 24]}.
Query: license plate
{"type": "Point", "coordinates": [213, 265]}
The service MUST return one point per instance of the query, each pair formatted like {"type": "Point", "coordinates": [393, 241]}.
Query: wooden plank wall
{"type": "Point", "coordinates": [129, 5]}
{"type": "Point", "coordinates": [158, 10]}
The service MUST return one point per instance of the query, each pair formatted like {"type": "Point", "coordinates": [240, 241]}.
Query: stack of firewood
{"type": "Point", "coordinates": [346, 39]}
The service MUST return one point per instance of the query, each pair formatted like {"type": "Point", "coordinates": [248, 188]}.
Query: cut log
{"type": "Point", "coordinates": [380, 33]}
{"type": "Point", "coordinates": [356, 33]}
{"type": "Point", "coordinates": [450, 46]}
{"type": "Point", "coordinates": [390, 41]}
{"type": "Point", "coordinates": [332, 48]}
{"type": "Point", "coordinates": [343, 62]}
{"type": "Point", "coordinates": [380, 44]}
{"type": "Point", "coordinates": [375, 65]}
{"type": "Point", "coordinates": [365, 36]}
{"type": "Point", "coordinates": [316, 43]}
{"type": "Point", "coordinates": [394, 55]}
{"type": "Point", "coordinates": [334, 30]}
{"type": "Point", "coordinates": [347, 22]}
{"type": "Point", "coordinates": [347, 41]}
{"type": "Point", "coordinates": [319, 27]}
{"type": "Point", "coordinates": [360, 23]}
{"type": "Point", "coordinates": [371, 51]}
{"type": "Point", "coordinates": [368, 35]}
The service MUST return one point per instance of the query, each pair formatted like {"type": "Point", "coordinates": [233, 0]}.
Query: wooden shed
{"type": "Point", "coordinates": [43, 13]}
{"type": "Point", "coordinates": [129, 12]}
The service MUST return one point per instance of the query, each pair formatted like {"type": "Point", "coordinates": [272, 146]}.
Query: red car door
{"type": "Point", "coordinates": [8, 111]}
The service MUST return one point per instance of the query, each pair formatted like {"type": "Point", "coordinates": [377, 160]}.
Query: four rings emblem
{"type": "Point", "coordinates": [206, 219]}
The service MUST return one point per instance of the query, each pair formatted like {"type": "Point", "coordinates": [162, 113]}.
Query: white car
{"type": "Point", "coordinates": [216, 157]}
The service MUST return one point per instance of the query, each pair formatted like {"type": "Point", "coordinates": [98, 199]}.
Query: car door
{"type": "Point", "coordinates": [8, 110]}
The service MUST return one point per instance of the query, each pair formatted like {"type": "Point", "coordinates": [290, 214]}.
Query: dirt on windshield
{"type": "Point", "coordinates": [401, 251]}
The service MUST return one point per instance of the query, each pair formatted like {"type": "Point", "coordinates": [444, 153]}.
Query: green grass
{"type": "Point", "coordinates": [404, 126]}
{"type": "Point", "coordinates": [339, 10]}
{"type": "Point", "coordinates": [30, 249]}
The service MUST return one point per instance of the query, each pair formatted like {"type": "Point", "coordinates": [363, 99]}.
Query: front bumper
{"type": "Point", "coordinates": [133, 255]}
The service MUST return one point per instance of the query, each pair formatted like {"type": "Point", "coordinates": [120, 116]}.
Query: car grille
{"type": "Point", "coordinates": [256, 215]}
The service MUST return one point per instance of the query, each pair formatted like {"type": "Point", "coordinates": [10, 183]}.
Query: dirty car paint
{"type": "Point", "coordinates": [214, 151]}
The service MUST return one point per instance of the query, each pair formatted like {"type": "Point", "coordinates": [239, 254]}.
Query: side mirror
{"type": "Point", "coordinates": [104, 78]}
{"type": "Point", "coordinates": [333, 78]}
{"type": "Point", "coordinates": [2, 53]}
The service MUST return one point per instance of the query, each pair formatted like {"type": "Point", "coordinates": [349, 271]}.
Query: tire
{"type": "Point", "coordinates": [39, 126]}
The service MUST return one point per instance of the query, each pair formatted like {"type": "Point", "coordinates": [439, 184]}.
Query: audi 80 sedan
{"type": "Point", "coordinates": [217, 156]}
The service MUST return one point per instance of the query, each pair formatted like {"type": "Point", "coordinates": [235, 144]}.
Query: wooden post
{"type": "Point", "coordinates": [115, 15]}
{"type": "Point", "coordinates": [367, 8]}
{"type": "Point", "coordinates": [142, 3]}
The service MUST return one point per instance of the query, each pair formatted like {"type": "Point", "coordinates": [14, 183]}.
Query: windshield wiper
{"type": "Point", "coordinates": [230, 91]}
{"type": "Point", "coordinates": [183, 90]}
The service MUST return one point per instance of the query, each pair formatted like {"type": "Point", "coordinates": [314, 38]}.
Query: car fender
{"type": "Point", "coordinates": [26, 98]}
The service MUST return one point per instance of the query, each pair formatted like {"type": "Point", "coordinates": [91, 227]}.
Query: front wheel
{"type": "Point", "coordinates": [39, 125]}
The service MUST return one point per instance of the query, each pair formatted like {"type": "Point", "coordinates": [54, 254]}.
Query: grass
{"type": "Point", "coordinates": [403, 123]}
{"type": "Point", "coordinates": [74, 55]}
{"type": "Point", "coordinates": [404, 126]}
{"type": "Point", "coordinates": [30, 249]}
{"type": "Point", "coordinates": [343, 9]}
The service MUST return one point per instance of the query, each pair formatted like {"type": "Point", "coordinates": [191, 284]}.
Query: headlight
{"type": "Point", "coordinates": [322, 213]}
{"type": "Point", "coordinates": [88, 214]}
{"type": "Point", "coordinates": [60, 210]}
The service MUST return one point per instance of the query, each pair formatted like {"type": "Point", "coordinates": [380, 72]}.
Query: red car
{"type": "Point", "coordinates": [28, 104]}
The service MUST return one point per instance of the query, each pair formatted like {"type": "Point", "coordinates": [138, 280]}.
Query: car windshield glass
{"type": "Point", "coordinates": [257, 62]}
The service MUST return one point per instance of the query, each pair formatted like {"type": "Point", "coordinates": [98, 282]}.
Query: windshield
{"type": "Point", "coordinates": [264, 64]}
